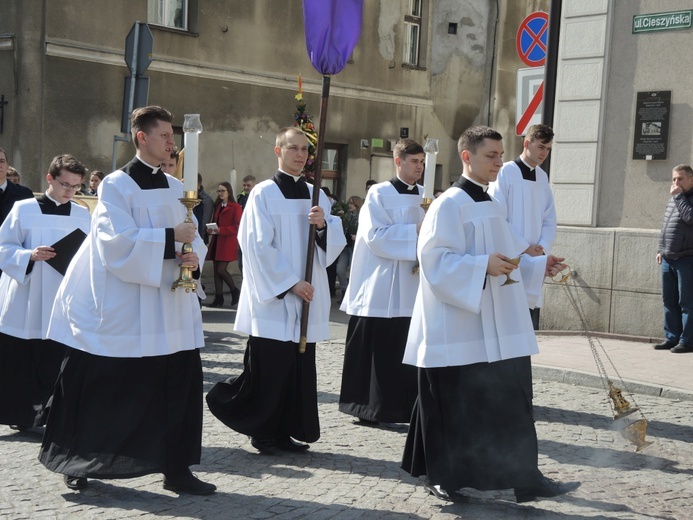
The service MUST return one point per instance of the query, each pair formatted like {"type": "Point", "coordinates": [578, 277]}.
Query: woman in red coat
{"type": "Point", "coordinates": [223, 246]}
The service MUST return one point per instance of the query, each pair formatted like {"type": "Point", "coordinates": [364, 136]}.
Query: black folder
{"type": "Point", "coordinates": [65, 249]}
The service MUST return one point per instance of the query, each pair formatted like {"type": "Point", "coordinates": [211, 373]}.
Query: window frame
{"type": "Point", "coordinates": [413, 34]}
{"type": "Point", "coordinates": [156, 14]}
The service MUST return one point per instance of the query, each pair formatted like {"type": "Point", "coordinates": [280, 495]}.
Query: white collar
{"type": "Point", "coordinates": [482, 186]}
{"type": "Point", "coordinates": [409, 186]}
{"type": "Point", "coordinates": [3, 187]}
{"type": "Point", "coordinates": [56, 202]}
{"type": "Point", "coordinates": [294, 177]}
{"type": "Point", "coordinates": [531, 168]}
{"type": "Point", "coordinates": [155, 169]}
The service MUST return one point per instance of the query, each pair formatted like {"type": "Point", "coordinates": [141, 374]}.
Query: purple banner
{"type": "Point", "coordinates": [332, 30]}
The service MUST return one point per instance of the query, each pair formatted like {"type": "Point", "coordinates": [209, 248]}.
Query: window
{"type": "Point", "coordinates": [332, 166]}
{"type": "Point", "coordinates": [169, 13]}
{"type": "Point", "coordinates": [412, 33]}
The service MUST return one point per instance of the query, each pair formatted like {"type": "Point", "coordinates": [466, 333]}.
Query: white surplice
{"type": "Point", "coordinates": [530, 205]}
{"type": "Point", "coordinates": [273, 236]}
{"type": "Point", "coordinates": [382, 283]}
{"type": "Point", "coordinates": [462, 315]}
{"type": "Point", "coordinates": [26, 300]}
{"type": "Point", "coordinates": [116, 298]}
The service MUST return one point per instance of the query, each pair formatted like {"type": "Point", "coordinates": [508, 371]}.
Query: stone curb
{"type": "Point", "coordinates": [576, 377]}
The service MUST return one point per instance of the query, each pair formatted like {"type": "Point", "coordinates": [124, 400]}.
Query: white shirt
{"type": "Point", "coordinates": [383, 281]}
{"type": "Point", "coordinates": [529, 204]}
{"type": "Point", "coordinates": [26, 300]}
{"type": "Point", "coordinates": [462, 315]}
{"type": "Point", "coordinates": [116, 298]}
{"type": "Point", "coordinates": [273, 236]}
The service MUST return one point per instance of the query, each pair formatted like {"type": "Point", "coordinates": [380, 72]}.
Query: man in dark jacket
{"type": "Point", "coordinates": [676, 258]}
{"type": "Point", "coordinates": [9, 191]}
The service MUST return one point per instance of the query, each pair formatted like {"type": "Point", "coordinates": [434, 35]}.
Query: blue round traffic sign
{"type": "Point", "coordinates": [531, 39]}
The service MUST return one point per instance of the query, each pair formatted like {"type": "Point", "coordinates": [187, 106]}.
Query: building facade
{"type": "Point", "coordinates": [421, 68]}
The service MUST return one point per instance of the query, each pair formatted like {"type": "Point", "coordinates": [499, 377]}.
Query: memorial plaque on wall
{"type": "Point", "coordinates": [651, 129]}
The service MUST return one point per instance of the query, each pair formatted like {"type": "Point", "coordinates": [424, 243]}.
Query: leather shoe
{"type": "Point", "coordinates": [288, 444]}
{"type": "Point", "coordinates": [75, 483]}
{"type": "Point", "coordinates": [546, 488]}
{"type": "Point", "coordinates": [448, 496]}
{"type": "Point", "coordinates": [682, 348]}
{"type": "Point", "coordinates": [186, 482]}
{"type": "Point", "coordinates": [667, 345]}
{"type": "Point", "coordinates": [264, 446]}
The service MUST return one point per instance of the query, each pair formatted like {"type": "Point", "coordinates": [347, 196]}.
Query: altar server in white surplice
{"type": "Point", "coordinates": [128, 401]}
{"type": "Point", "coordinates": [32, 270]}
{"type": "Point", "coordinates": [376, 386]}
{"type": "Point", "coordinates": [472, 339]}
{"type": "Point", "coordinates": [274, 399]}
{"type": "Point", "coordinates": [524, 189]}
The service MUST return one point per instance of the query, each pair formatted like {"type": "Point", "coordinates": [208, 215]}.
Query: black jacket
{"type": "Point", "coordinates": [676, 240]}
{"type": "Point", "coordinates": [12, 194]}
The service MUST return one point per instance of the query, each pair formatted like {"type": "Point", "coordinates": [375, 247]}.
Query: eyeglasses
{"type": "Point", "coordinates": [70, 187]}
{"type": "Point", "coordinates": [221, 191]}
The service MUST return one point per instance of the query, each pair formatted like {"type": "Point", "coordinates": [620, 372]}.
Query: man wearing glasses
{"type": "Point", "coordinates": [32, 272]}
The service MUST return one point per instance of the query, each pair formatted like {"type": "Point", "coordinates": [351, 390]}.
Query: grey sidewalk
{"type": "Point", "coordinates": [353, 471]}
{"type": "Point", "coordinates": [567, 357]}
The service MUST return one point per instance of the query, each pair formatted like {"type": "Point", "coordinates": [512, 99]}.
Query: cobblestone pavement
{"type": "Point", "coordinates": [353, 471]}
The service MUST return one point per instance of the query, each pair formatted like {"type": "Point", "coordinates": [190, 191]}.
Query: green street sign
{"type": "Point", "coordinates": [662, 21]}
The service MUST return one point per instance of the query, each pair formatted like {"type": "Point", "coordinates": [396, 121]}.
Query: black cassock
{"type": "Point", "coordinates": [29, 367]}
{"type": "Point", "coordinates": [473, 425]}
{"type": "Point", "coordinates": [118, 417]}
{"type": "Point", "coordinates": [276, 394]}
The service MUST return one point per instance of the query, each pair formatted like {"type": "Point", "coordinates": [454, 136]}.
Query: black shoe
{"type": "Point", "coordinates": [288, 444]}
{"type": "Point", "coordinates": [546, 488]}
{"type": "Point", "coordinates": [264, 446]}
{"type": "Point", "coordinates": [186, 482]}
{"type": "Point", "coordinates": [365, 422]}
{"type": "Point", "coordinates": [75, 483]}
{"type": "Point", "coordinates": [218, 301]}
{"type": "Point", "coordinates": [667, 345]}
{"type": "Point", "coordinates": [235, 296]}
{"type": "Point", "coordinates": [682, 348]}
{"type": "Point", "coordinates": [448, 496]}
{"type": "Point", "coordinates": [19, 427]}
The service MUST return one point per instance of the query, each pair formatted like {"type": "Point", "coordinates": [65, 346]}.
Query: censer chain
{"type": "Point", "coordinates": [593, 341]}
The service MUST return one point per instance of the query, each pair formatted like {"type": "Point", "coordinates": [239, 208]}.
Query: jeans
{"type": "Point", "coordinates": [677, 295]}
{"type": "Point", "coordinates": [343, 262]}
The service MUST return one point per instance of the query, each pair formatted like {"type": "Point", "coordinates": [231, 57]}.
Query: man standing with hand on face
{"type": "Point", "coordinates": [274, 400]}
{"type": "Point", "coordinates": [128, 400]}
{"type": "Point", "coordinates": [675, 256]}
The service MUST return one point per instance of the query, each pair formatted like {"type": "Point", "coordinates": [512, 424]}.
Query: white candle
{"type": "Point", "coordinates": [431, 149]}
{"type": "Point", "coordinates": [190, 161]}
{"type": "Point", "coordinates": [429, 175]}
{"type": "Point", "coordinates": [233, 180]}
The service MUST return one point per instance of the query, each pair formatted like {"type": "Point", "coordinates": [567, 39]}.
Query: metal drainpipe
{"type": "Point", "coordinates": [550, 70]}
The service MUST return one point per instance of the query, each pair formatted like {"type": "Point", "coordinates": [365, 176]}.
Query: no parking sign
{"type": "Point", "coordinates": [531, 39]}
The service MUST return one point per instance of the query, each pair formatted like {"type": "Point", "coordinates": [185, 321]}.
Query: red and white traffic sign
{"type": "Point", "coordinates": [529, 98]}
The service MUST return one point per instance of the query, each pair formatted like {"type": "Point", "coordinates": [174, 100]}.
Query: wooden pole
{"type": "Point", "coordinates": [315, 202]}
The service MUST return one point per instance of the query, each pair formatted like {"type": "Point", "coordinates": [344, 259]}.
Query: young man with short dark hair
{"type": "Point", "coordinates": [376, 386]}
{"type": "Point", "coordinates": [128, 400]}
{"type": "Point", "coordinates": [471, 339]}
{"type": "Point", "coordinates": [32, 272]}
